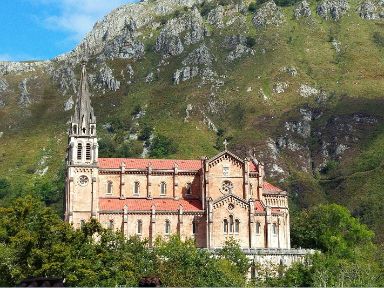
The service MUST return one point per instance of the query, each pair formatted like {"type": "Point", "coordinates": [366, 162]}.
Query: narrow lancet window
{"type": "Point", "coordinates": [167, 227]}
{"type": "Point", "coordinates": [88, 151]}
{"type": "Point", "coordinates": [139, 227]}
{"type": "Point", "coordinates": [163, 188]}
{"type": "Point", "coordinates": [79, 151]}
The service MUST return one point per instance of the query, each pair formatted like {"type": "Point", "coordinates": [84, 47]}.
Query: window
{"type": "Point", "coordinates": [163, 188]}
{"type": "Point", "coordinates": [109, 187]}
{"type": "Point", "coordinates": [231, 224]}
{"type": "Point", "coordinates": [88, 151]}
{"type": "Point", "coordinates": [74, 129]}
{"type": "Point", "coordinates": [139, 227]}
{"type": "Point", "coordinates": [257, 227]}
{"type": "Point", "coordinates": [167, 227]}
{"type": "Point", "coordinates": [225, 226]}
{"type": "Point", "coordinates": [227, 186]}
{"type": "Point", "coordinates": [92, 130]}
{"type": "Point", "coordinates": [226, 171]}
{"type": "Point", "coordinates": [251, 189]}
{"type": "Point", "coordinates": [188, 190]}
{"type": "Point", "coordinates": [194, 227]}
{"type": "Point", "coordinates": [274, 228]}
{"type": "Point", "coordinates": [79, 151]}
{"type": "Point", "coordinates": [136, 188]}
{"type": "Point", "coordinates": [111, 224]}
{"type": "Point", "coordinates": [237, 226]}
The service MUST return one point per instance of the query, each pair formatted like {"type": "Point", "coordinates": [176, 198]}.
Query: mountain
{"type": "Point", "coordinates": [298, 85]}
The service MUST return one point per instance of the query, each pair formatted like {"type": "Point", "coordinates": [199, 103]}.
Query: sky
{"type": "Point", "coordinates": [43, 29]}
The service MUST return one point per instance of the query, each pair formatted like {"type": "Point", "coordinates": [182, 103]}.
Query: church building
{"type": "Point", "coordinates": [209, 200]}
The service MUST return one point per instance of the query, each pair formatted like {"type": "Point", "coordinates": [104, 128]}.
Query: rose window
{"type": "Point", "coordinates": [83, 180]}
{"type": "Point", "coordinates": [227, 187]}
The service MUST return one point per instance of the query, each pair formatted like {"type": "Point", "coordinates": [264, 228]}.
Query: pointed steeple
{"type": "Point", "coordinates": [84, 120]}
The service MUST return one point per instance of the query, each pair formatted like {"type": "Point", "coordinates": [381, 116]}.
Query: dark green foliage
{"type": "Point", "coordinates": [330, 228]}
{"type": "Point", "coordinates": [285, 3]}
{"type": "Point", "coordinates": [145, 133]}
{"type": "Point", "coordinates": [4, 187]}
{"type": "Point", "coordinates": [206, 7]}
{"type": "Point", "coordinates": [378, 39]}
{"type": "Point", "coordinates": [250, 41]}
{"type": "Point", "coordinates": [162, 147]}
{"type": "Point", "coordinates": [252, 7]}
{"type": "Point", "coordinates": [34, 241]}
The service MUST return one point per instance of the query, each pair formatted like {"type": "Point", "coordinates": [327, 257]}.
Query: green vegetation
{"type": "Point", "coordinates": [34, 241]}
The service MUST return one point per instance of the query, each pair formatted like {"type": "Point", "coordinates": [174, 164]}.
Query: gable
{"type": "Point", "coordinates": [230, 198]}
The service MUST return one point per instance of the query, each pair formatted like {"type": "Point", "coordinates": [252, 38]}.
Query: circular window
{"type": "Point", "coordinates": [83, 180]}
{"type": "Point", "coordinates": [227, 186]}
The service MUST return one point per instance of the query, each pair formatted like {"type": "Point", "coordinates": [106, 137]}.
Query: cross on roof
{"type": "Point", "coordinates": [225, 144]}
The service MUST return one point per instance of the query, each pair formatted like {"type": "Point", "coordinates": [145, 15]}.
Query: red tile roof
{"type": "Point", "coordinates": [139, 163]}
{"type": "Point", "coordinates": [259, 206]}
{"type": "Point", "coordinates": [113, 204]}
{"type": "Point", "coordinates": [268, 187]}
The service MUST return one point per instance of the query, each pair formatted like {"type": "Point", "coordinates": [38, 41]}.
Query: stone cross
{"type": "Point", "coordinates": [225, 144]}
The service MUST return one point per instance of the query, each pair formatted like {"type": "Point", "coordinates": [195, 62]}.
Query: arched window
{"type": "Point", "coordinates": [111, 224]}
{"type": "Point", "coordinates": [250, 189]}
{"type": "Point", "coordinates": [237, 226]}
{"type": "Point", "coordinates": [109, 187]}
{"type": "Point", "coordinates": [274, 228]}
{"type": "Point", "coordinates": [225, 226]}
{"type": "Point", "coordinates": [167, 227]}
{"type": "Point", "coordinates": [74, 131]}
{"type": "Point", "coordinates": [136, 188]}
{"type": "Point", "coordinates": [188, 188]}
{"type": "Point", "coordinates": [79, 151]}
{"type": "Point", "coordinates": [88, 151]}
{"type": "Point", "coordinates": [139, 227]}
{"type": "Point", "coordinates": [163, 188]}
{"type": "Point", "coordinates": [257, 227]}
{"type": "Point", "coordinates": [92, 130]}
{"type": "Point", "coordinates": [230, 224]}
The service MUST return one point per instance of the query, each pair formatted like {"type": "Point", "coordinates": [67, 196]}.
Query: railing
{"type": "Point", "coordinates": [271, 251]}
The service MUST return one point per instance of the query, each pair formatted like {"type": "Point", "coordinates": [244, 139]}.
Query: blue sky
{"type": "Point", "coordinates": [43, 29]}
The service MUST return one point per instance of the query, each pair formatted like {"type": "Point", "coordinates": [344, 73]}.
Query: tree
{"type": "Point", "coordinates": [330, 228]}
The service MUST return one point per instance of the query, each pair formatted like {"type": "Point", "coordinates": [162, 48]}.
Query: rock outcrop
{"type": "Point", "coordinates": [106, 79]}
{"type": "Point", "coordinates": [25, 98]}
{"type": "Point", "coordinates": [332, 9]}
{"type": "Point", "coordinates": [302, 9]}
{"type": "Point", "coordinates": [268, 14]}
{"type": "Point", "coordinates": [371, 10]}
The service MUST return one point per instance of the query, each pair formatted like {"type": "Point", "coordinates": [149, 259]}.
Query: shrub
{"type": "Point", "coordinates": [378, 39]}
{"type": "Point", "coordinates": [250, 41]}
{"type": "Point", "coordinates": [162, 147]}
{"type": "Point", "coordinates": [252, 7]}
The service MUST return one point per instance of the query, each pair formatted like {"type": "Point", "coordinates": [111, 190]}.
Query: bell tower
{"type": "Point", "coordinates": [81, 160]}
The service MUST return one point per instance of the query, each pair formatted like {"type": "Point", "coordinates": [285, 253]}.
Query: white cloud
{"type": "Point", "coordinates": [77, 17]}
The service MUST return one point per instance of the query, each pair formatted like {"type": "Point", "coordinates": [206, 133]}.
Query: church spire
{"type": "Point", "coordinates": [84, 120]}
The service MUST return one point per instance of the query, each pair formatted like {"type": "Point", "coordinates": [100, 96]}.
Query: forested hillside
{"type": "Point", "coordinates": [299, 85]}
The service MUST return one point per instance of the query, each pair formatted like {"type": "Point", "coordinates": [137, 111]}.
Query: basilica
{"type": "Point", "coordinates": [209, 200]}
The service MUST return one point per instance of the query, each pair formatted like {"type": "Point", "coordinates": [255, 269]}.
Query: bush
{"type": "Point", "coordinates": [378, 39]}
{"type": "Point", "coordinates": [252, 7]}
{"type": "Point", "coordinates": [162, 147]}
{"type": "Point", "coordinates": [250, 41]}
